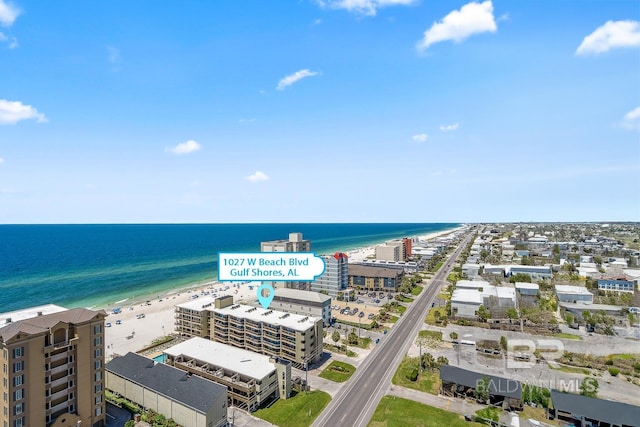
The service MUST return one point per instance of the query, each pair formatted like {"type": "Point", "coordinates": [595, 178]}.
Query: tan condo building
{"type": "Point", "coordinates": [52, 367]}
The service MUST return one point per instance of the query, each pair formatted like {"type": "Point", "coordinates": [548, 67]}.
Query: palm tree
{"type": "Point", "coordinates": [428, 361]}
{"type": "Point", "coordinates": [442, 361]}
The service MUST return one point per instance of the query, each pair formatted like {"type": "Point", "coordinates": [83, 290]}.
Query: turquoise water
{"type": "Point", "coordinates": [161, 358]}
{"type": "Point", "coordinates": [97, 265]}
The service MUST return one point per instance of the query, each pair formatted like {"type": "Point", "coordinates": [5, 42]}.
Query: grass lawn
{"type": "Point", "coordinates": [623, 356]}
{"type": "Point", "coordinates": [299, 410]}
{"type": "Point", "coordinates": [416, 290]}
{"type": "Point", "coordinates": [400, 309]}
{"type": "Point", "coordinates": [567, 336]}
{"type": "Point", "coordinates": [431, 334]}
{"type": "Point", "coordinates": [368, 324]}
{"type": "Point", "coordinates": [572, 370]}
{"type": "Point", "coordinates": [431, 320]}
{"type": "Point", "coordinates": [537, 414]}
{"type": "Point", "coordinates": [362, 343]}
{"type": "Point", "coordinates": [403, 299]}
{"type": "Point", "coordinates": [339, 349]}
{"type": "Point", "coordinates": [437, 267]}
{"type": "Point", "coordinates": [338, 371]}
{"type": "Point", "coordinates": [392, 319]}
{"type": "Point", "coordinates": [428, 381]}
{"type": "Point", "coordinates": [398, 412]}
{"type": "Point", "coordinates": [445, 296]}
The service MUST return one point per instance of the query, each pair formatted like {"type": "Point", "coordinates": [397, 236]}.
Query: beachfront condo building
{"type": "Point", "coordinates": [251, 379]}
{"type": "Point", "coordinates": [295, 243]}
{"type": "Point", "coordinates": [335, 277]}
{"type": "Point", "coordinates": [52, 367]}
{"type": "Point", "coordinates": [277, 334]}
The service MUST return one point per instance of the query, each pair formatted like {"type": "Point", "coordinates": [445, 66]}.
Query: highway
{"type": "Point", "coordinates": [355, 404]}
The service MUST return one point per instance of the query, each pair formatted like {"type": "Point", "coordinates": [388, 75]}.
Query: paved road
{"type": "Point", "coordinates": [355, 404]}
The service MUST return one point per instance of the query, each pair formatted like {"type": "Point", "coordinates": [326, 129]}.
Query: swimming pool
{"type": "Point", "coordinates": [162, 358]}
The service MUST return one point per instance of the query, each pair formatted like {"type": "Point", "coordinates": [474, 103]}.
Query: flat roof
{"type": "Point", "coordinates": [575, 290]}
{"type": "Point", "coordinates": [199, 303]}
{"type": "Point", "coordinates": [28, 313]}
{"type": "Point", "coordinates": [297, 294]}
{"type": "Point", "coordinates": [525, 285]}
{"type": "Point", "coordinates": [273, 317]}
{"type": "Point", "coordinates": [498, 386]}
{"type": "Point", "coordinates": [374, 271]}
{"type": "Point", "coordinates": [472, 296]}
{"type": "Point", "coordinates": [472, 284]}
{"type": "Point", "coordinates": [244, 362]}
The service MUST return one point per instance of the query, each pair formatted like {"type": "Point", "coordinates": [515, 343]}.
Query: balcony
{"type": "Point", "coordinates": [58, 382]}
{"type": "Point", "coordinates": [58, 369]}
{"type": "Point", "coordinates": [57, 357]}
{"type": "Point", "coordinates": [57, 396]}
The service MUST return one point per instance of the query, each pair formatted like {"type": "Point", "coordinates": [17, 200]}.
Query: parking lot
{"type": "Point", "coordinates": [365, 303]}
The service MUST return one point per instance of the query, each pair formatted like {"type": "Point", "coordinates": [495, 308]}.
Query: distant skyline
{"type": "Point", "coordinates": [319, 111]}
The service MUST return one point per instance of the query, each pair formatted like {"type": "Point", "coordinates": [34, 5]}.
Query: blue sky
{"type": "Point", "coordinates": [319, 111]}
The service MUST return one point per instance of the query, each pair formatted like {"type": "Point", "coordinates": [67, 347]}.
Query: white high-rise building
{"type": "Point", "coordinates": [335, 277]}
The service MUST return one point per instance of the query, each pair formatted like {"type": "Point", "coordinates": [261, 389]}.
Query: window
{"type": "Point", "coordinates": [18, 366]}
{"type": "Point", "coordinates": [98, 411]}
{"type": "Point", "coordinates": [97, 341]}
{"type": "Point", "coordinates": [5, 368]}
{"type": "Point", "coordinates": [98, 352]}
{"type": "Point", "coordinates": [97, 388]}
{"type": "Point", "coordinates": [6, 396]}
{"type": "Point", "coordinates": [98, 399]}
{"type": "Point", "coordinates": [18, 409]}
{"type": "Point", "coordinates": [98, 376]}
{"type": "Point", "coordinates": [18, 380]}
{"type": "Point", "coordinates": [18, 352]}
{"type": "Point", "coordinates": [18, 422]}
{"type": "Point", "coordinates": [97, 364]}
{"type": "Point", "coordinates": [18, 394]}
{"type": "Point", "coordinates": [97, 329]}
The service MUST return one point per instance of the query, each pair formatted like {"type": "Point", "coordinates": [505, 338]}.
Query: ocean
{"type": "Point", "coordinates": [99, 265]}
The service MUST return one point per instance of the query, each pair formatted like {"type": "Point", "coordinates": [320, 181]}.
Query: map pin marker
{"type": "Point", "coordinates": [265, 300]}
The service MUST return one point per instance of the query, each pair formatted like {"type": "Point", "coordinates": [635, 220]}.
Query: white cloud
{"type": "Point", "coordinates": [292, 78]}
{"type": "Point", "coordinates": [186, 147]}
{"type": "Point", "coordinates": [472, 18]}
{"type": "Point", "coordinates": [113, 55]}
{"type": "Point", "coordinates": [1, 160]}
{"type": "Point", "coordinates": [449, 128]}
{"type": "Point", "coordinates": [258, 176]}
{"type": "Point", "coordinates": [12, 112]}
{"type": "Point", "coordinates": [363, 7]}
{"type": "Point", "coordinates": [8, 13]}
{"type": "Point", "coordinates": [421, 137]}
{"type": "Point", "coordinates": [612, 34]}
{"type": "Point", "coordinates": [632, 119]}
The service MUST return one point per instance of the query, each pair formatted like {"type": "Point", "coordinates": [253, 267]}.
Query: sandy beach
{"type": "Point", "coordinates": [135, 332]}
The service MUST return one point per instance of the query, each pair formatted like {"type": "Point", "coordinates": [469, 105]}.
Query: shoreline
{"type": "Point", "coordinates": [134, 333]}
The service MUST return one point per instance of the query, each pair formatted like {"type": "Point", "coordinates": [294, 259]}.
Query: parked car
{"type": "Point", "coordinates": [118, 322]}
{"type": "Point", "coordinates": [108, 324]}
{"type": "Point", "coordinates": [361, 314]}
{"type": "Point", "coordinates": [370, 316]}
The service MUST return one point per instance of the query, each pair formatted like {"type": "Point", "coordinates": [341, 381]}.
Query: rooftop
{"type": "Point", "coordinates": [27, 313]}
{"type": "Point", "coordinates": [301, 295]}
{"type": "Point", "coordinates": [525, 285]}
{"type": "Point", "coordinates": [471, 284]}
{"type": "Point", "coordinates": [373, 271]}
{"type": "Point", "coordinates": [606, 411]}
{"type": "Point", "coordinates": [472, 296]}
{"type": "Point", "coordinates": [198, 304]}
{"type": "Point", "coordinates": [498, 386]}
{"type": "Point", "coordinates": [43, 323]}
{"type": "Point", "coordinates": [273, 317]}
{"type": "Point", "coordinates": [224, 356]}
{"type": "Point", "coordinates": [575, 290]}
{"type": "Point", "coordinates": [190, 390]}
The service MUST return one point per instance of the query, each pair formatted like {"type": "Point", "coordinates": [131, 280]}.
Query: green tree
{"type": "Point", "coordinates": [520, 277]}
{"type": "Point", "coordinates": [453, 335]}
{"type": "Point", "coordinates": [335, 337]}
{"type": "Point", "coordinates": [130, 423]}
{"type": "Point", "coordinates": [503, 342]}
{"type": "Point", "coordinates": [353, 338]}
{"type": "Point", "coordinates": [482, 389]}
{"type": "Point", "coordinates": [483, 313]}
{"type": "Point", "coordinates": [428, 361]}
{"type": "Point", "coordinates": [512, 313]}
{"type": "Point", "coordinates": [442, 361]}
{"type": "Point", "coordinates": [589, 387]}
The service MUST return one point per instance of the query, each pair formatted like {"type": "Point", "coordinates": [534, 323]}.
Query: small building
{"type": "Point", "coordinates": [305, 303]}
{"type": "Point", "coordinates": [465, 302]}
{"type": "Point", "coordinates": [469, 295]}
{"type": "Point", "coordinates": [472, 284]}
{"type": "Point", "coordinates": [251, 379]}
{"type": "Point", "coordinates": [389, 252]}
{"type": "Point", "coordinates": [528, 289]}
{"type": "Point", "coordinates": [620, 283]}
{"type": "Point", "coordinates": [190, 400]}
{"type": "Point", "coordinates": [503, 392]}
{"type": "Point", "coordinates": [536, 272]}
{"type": "Point", "coordinates": [374, 278]}
{"type": "Point", "coordinates": [470, 271]}
{"type": "Point", "coordinates": [577, 294]}
{"type": "Point", "coordinates": [584, 411]}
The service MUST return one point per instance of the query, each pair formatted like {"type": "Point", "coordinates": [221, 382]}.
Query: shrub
{"type": "Point", "coordinates": [614, 371]}
{"type": "Point", "coordinates": [609, 362]}
{"type": "Point", "coordinates": [636, 366]}
{"type": "Point", "coordinates": [413, 375]}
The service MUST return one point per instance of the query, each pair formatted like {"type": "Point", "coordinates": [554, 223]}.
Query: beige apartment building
{"type": "Point", "coordinates": [292, 337]}
{"type": "Point", "coordinates": [251, 379]}
{"type": "Point", "coordinates": [52, 367]}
